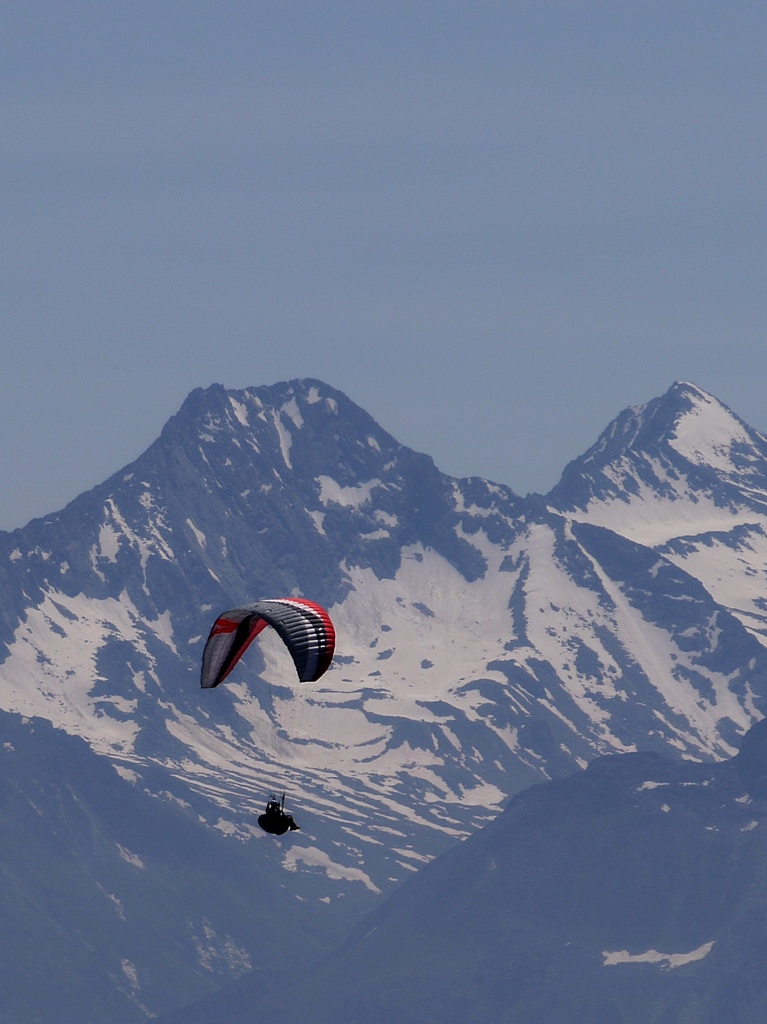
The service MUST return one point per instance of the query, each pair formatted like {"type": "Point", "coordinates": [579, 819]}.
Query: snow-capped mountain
{"type": "Point", "coordinates": [485, 641]}
{"type": "Point", "coordinates": [686, 477]}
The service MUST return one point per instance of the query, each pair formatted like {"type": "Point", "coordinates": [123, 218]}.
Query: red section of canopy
{"type": "Point", "coordinates": [223, 626]}
{"type": "Point", "coordinates": [255, 628]}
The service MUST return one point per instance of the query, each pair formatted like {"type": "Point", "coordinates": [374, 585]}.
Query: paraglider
{"type": "Point", "coordinates": [307, 632]}
{"type": "Point", "coordinates": [275, 820]}
{"type": "Point", "coordinates": [304, 626]}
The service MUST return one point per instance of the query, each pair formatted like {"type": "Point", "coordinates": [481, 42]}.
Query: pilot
{"type": "Point", "coordinates": [274, 819]}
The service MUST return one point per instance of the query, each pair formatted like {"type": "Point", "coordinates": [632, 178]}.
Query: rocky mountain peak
{"type": "Point", "coordinates": [680, 464]}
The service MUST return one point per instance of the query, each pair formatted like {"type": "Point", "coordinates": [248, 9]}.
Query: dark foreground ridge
{"type": "Point", "coordinates": [634, 891]}
{"type": "Point", "coordinates": [103, 883]}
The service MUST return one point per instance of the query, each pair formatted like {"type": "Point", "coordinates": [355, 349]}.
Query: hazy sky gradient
{"type": "Point", "coordinates": [493, 225]}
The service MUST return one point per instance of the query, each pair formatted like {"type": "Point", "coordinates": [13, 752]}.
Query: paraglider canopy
{"type": "Point", "coordinates": [305, 628]}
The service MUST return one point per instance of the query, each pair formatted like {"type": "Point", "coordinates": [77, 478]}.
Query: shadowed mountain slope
{"type": "Point", "coordinates": [117, 904]}
{"type": "Point", "coordinates": [631, 892]}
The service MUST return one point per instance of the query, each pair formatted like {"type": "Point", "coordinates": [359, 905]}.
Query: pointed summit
{"type": "Point", "coordinates": [707, 433]}
{"type": "Point", "coordinates": [685, 476]}
{"type": "Point", "coordinates": [683, 442]}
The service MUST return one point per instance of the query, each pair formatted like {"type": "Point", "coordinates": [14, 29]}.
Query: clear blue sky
{"type": "Point", "coordinates": [492, 224]}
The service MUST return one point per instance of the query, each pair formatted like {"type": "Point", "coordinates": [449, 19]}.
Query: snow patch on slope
{"type": "Point", "coordinates": [51, 668]}
{"type": "Point", "coordinates": [285, 438]}
{"type": "Point", "coordinates": [332, 492]}
{"type": "Point", "coordinates": [649, 518]}
{"type": "Point", "coordinates": [707, 434]}
{"type": "Point", "coordinates": [316, 858]}
{"type": "Point", "coordinates": [661, 661]}
{"type": "Point", "coordinates": [664, 960]}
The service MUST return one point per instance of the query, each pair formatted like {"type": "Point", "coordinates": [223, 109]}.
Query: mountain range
{"type": "Point", "coordinates": [486, 641]}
